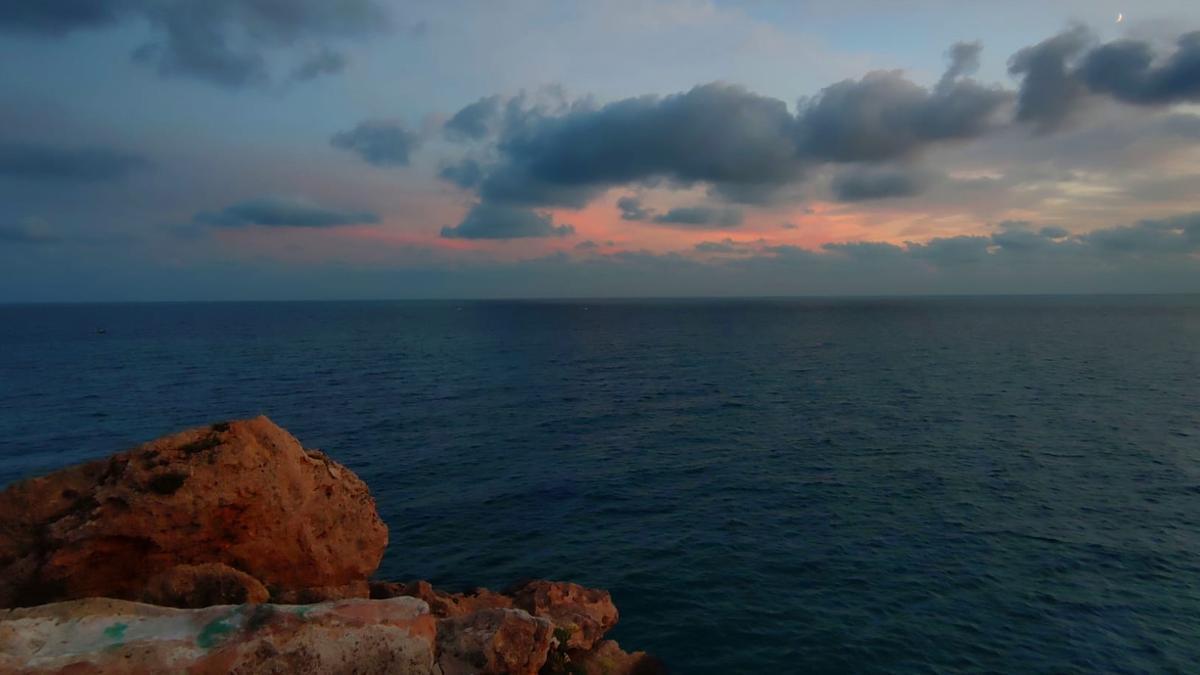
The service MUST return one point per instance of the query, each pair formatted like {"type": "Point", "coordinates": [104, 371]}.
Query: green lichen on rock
{"type": "Point", "coordinates": [216, 631]}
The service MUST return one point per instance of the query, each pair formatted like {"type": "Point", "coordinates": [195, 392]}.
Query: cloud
{"type": "Point", "coordinates": [516, 187]}
{"type": "Point", "coordinates": [726, 245]}
{"type": "Point", "coordinates": [1178, 235]}
{"type": "Point", "coordinates": [1050, 94]}
{"type": "Point", "coordinates": [714, 133]}
{"type": "Point", "coordinates": [632, 209]}
{"type": "Point", "coordinates": [1165, 257]}
{"type": "Point", "coordinates": [743, 146]}
{"type": "Point", "coordinates": [1017, 247]}
{"type": "Point", "coordinates": [964, 61]}
{"type": "Point", "coordinates": [474, 121]}
{"type": "Point", "coordinates": [35, 232]}
{"type": "Point", "coordinates": [1021, 236]}
{"type": "Point", "coordinates": [224, 42]}
{"type": "Point", "coordinates": [58, 17]}
{"type": "Point", "coordinates": [37, 162]}
{"type": "Point", "coordinates": [700, 217]}
{"type": "Point", "coordinates": [490, 221]}
{"type": "Point", "coordinates": [864, 250]}
{"type": "Point", "coordinates": [465, 173]}
{"type": "Point", "coordinates": [866, 183]}
{"type": "Point", "coordinates": [944, 251]}
{"type": "Point", "coordinates": [1062, 74]}
{"type": "Point", "coordinates": [379, 142]}
{"type": "Point", "coordinates": [283, 212]}
{"type": "Point", "coordinates": [324, 62]}
{"type": "Point", "coordinates": [1131, 72]}
{"type": "Point", "coordinates": [883, 116]}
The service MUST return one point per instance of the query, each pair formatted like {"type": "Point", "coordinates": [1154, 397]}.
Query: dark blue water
{"type": "Point", "coordinates": [766, 486]}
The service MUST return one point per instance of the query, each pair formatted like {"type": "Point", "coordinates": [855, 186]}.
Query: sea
{"type": "Point", "coordinates": [915, 485]}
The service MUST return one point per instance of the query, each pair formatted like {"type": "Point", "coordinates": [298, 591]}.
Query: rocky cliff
{"type": "Point", "coordinates": [267, 549]}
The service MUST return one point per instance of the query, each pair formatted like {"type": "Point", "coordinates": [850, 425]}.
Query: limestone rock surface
{"type": "Point", "coordinates": [243, 494]}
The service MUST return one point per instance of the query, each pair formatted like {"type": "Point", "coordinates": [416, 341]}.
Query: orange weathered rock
{"type": "Point", "coordinates": [441, 603]}
{"type": "Point", "coordinates": [244, 494]}
{"type": "Point", "coordinates": [493, 642]}
{"type": "Point", "coordinates": [586, 614]}
{"type": "Point", "coordinates": [202, 586]}
{"type": "Point", "coordinates": [579, 617]}
{"type": "Point", "coordinates": [607, 658]}
{"type": "Point", "coordinates": [233, 516]}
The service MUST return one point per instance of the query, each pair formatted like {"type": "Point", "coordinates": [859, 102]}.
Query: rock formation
{"type": "Point", "coordinates": [223, 520]}
{"type": "Point", "coordinates": [243, 494]}
{"type": "Point", "coordinates": [116, 636]}
{"type": "Point", "coordinates": [577, 618]}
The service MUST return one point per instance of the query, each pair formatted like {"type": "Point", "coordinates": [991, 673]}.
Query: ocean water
{"type": "Point", "coordinates": [766, 486]}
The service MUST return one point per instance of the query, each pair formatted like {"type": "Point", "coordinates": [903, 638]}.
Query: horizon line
{"type": "Point", "coordinates": [612, 298]}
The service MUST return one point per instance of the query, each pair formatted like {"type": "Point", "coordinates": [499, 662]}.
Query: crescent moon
{"type": "Point", "coordinates": [1120, 17]}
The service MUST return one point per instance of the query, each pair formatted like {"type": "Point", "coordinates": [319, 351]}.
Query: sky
{"type": "Point", "coordinates": [360, 149]}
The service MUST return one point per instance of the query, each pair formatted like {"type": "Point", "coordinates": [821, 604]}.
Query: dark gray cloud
{"type": "Point", "coordinates": [465, 173]}
{"type": "Point", "coordinates": [379, 142]}
{"type": "Point", "coordinates": [1061, 74]}
{"type": "Point", "coordinates": [474, 121]}
{"type": "Point", "coordinates": [632, 209]}
{"type": "Point", "coordinates": [715, 133]}
{"type": "Point", "coordinates": [867, 182]}
{"type": "Point", "coordinates": [224, 42]}
{"type": "Point", "coordinates": [324, 62]}
{"type": "Point", "coordinates": [38, 162]}
{"type": "Point", "coordinates": [700, 217]}
{"type": "Point", "coordinates": [883, 116]}
{"type": "Point", "coordinates": [1176, 237]}
{"type": "Point", "coordinates": [1179, 235]}
{"type": "Point", "coordinates": [746, 147]}
{"type": "Point", "coordinates": [283, 212]}
{"type": "Point", "coordinates": [1050, 94]}
{"type": "Point", "coordinates": [964, 61]}
{"type": "Point", "coordinates": [491, 221]}
{"type": "Point", "coordinates": [864, 250]}
{"type": "Point", "coordinates": [1131, 72]}
{"type": "Point", "coordinates": [1021, 236]}
{"type": "Point", "coordinates": [57, 17]}
{"type": "Point", "coordinates": [516, 187]}
{"type": "Point", "coordinates": [951, 250]}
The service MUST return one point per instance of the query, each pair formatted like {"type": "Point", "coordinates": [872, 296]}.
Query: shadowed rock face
{"type": "Point", "coordinates": [576, 618]}
{"type": "Point", "coordinates": [585, 614]}
{"type": "Point", "coordinates": [494, 641]}
{"type": "Point", "coordinates": [202, 586]}
{"type": "Point", "coordinates": [242, 494]}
